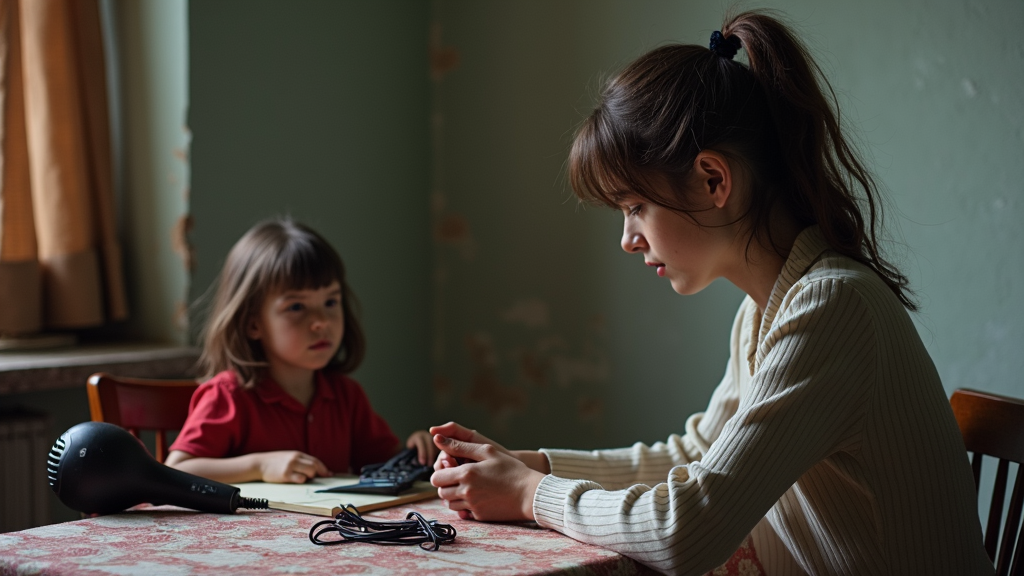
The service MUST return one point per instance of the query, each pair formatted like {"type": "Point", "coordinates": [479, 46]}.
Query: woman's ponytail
{"type": "Point", "coordinates": [828, 183]}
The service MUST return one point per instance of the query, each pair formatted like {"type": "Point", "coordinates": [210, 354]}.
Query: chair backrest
{"type": "Point", "coordinates": [993, 425]}
{"type": "Point", "coordinates": [141, 404]}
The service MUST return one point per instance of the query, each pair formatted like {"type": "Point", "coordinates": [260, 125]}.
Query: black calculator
{"type": "Point", "coordinates": [392, 477]}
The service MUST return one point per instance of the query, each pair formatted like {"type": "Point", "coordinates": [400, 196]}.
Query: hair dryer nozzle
{"type": "Point", "coordinates": [99, 468]}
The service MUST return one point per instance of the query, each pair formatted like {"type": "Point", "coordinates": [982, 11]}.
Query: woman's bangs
{"type": "Point", "coordinates": [598, 165]}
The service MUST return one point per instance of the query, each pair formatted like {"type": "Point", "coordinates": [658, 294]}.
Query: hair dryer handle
{"type": "Point", "coordinates": [172, 486]}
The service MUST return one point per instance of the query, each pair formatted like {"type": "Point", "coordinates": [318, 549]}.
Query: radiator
{"type": "Point", "coordinates": [24, 444]}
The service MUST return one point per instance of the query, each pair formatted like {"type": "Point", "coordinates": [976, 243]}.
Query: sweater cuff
{"type": "Point", "coordinates": [550, 499]}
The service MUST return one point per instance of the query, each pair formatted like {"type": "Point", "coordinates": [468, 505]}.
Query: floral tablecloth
{"type": "Point", "coordinates": [173, 541]}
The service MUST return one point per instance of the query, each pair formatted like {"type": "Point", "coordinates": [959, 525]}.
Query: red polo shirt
{"type": "Point", "coordinates": [339, 427]}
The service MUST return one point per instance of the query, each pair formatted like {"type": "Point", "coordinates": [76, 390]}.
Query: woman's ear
{"type": "Point", "coordinates": [712, 170]}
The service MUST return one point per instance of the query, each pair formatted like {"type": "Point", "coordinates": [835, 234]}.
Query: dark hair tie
{"type": "Point", "coordinates": [724, 47]}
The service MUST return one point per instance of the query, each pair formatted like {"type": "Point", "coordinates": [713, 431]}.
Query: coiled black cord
{"type": "Point", "coordinates": [428, 534]}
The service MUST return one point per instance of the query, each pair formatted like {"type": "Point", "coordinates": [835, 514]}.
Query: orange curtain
{"type": "Point", "coordinates": [60, 262]}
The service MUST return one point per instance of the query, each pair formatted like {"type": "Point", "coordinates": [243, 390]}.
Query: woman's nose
{"type": "Point", "coordinates": [633, 241]}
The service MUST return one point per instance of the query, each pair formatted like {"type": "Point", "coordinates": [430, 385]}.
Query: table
{"type": "Point", "coordinates": [168, 540]}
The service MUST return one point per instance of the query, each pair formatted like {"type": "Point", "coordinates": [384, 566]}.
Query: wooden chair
{"type": "Point", "coordinates": [993, 425]}
{"type": "Point", "coordinates": [141, 404]}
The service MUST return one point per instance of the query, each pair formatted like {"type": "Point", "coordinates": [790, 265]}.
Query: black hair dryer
{"type": "Point", "coordinates": [99, 468]}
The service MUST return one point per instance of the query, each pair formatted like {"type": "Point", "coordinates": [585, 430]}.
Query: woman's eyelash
{"type": "Point", "coordinates": [634, 210]}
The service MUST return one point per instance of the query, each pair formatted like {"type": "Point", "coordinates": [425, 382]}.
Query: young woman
{"type": "Point", "coordinates": [829, 447]}
{"type": "Point", "coordinates": [278, 405]}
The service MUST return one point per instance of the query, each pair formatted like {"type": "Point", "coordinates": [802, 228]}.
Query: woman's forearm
{"type": "Point", "coordinates": [535, 460]}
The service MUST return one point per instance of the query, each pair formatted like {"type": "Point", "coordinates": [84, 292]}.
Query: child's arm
{"type": "Point", "coordinates": [284, 466]}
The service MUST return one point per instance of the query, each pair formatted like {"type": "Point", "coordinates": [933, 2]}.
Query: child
{"type": "Point", "coordinates": [278, 405]}
{"type": "Point", "coordinates": [829, 447]}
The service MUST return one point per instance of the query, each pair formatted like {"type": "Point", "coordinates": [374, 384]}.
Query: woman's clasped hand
{"type": "Point", "coordinates": [482, 480]}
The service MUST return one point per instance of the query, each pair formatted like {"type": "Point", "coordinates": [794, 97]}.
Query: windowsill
{"type": "Point", "coordinates": [37, 370]}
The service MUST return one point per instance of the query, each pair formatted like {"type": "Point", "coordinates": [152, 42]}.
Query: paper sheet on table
{"type": "Point", "coordinates": [304, 498]}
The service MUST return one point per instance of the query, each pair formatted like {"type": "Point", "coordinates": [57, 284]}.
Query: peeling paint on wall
{"type": "Point", "coordinates": [180, 243]}
{"type": "Point", "coordinates": [532, 313]}
{"type": "Point", "coordinates": [590, 409]}
{"type": "Point", "coordinates": [486, 387]}
{"type": "Point", "coordinates": [568, 371]}
{"type": "Point", "coordinates": [453, 230]}
{"type": "Point", "coordinates": [534, 367]}
{"type": "Point", "coordinates": [180, 316]}
{"type": "Point", "coordinates": [181, 246]}
{"type": "Point", "coordinates": [152, 81]}
{"type": "Point", "coordinates": [506, 363]}
{"type": "Point", "coordinates": [449, 229]}
{"type": "Point", "coordinates": [537, 366]}
{"type": "Point", "coordinates": [443, 59]}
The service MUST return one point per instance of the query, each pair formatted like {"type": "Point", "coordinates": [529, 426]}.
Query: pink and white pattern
{"type": "Point", "coordinates": [172, 541]}
{"type": "Point", "coordinates": [166, 540]}
{"type": "Point", "coordinates": [743, 562]}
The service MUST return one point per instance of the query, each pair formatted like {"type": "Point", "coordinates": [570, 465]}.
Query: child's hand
{"type": "Point", "coordinates": [424, 445]}
{"type": "Point", "coordinates": [290, 466]}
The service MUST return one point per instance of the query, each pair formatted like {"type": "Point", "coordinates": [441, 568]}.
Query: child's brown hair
{"type": "Point", "coordinates": [776, 117]}
{"type": "Point", "coordinates": [274, 255]}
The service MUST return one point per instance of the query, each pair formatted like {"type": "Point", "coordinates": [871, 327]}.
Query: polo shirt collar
{"type": "Point", "coordinates": [270, 392]}
{"type": "Point", "coordinates": [807, 248]}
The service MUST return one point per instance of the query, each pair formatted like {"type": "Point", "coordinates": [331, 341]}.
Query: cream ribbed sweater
{"type": "Point", "coordinates": [830, 440]}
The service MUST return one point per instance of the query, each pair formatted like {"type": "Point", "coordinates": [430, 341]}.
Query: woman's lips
{"type": "Point", "coordinates": [320, 345]}
{"type": "Point", "coordinates": [661, 267]}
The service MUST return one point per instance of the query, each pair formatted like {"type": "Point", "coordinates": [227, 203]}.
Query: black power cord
{"type": "Point", "coordinates": [253, 503]}
{"type": "Point", "coordinates": [428, 534]}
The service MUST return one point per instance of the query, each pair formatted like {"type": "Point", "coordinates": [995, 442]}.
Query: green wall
{"type": "Point", "coordinates": [318, 110]}
{"type": "Point", "coordinates": [490, 296]}
{"type": "Point", "coordinates": [150, 103]}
